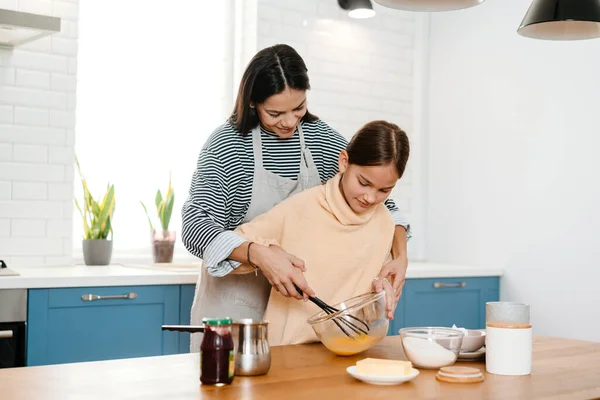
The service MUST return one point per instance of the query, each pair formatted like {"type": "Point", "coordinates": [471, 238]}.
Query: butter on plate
{"type": "Point", "coordinates": [381, 367]}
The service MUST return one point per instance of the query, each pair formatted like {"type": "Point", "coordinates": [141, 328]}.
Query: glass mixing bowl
{"type": "Point", "coordinates": [431, 347]}
{"type": "Point", "coordinates": [369, 307]}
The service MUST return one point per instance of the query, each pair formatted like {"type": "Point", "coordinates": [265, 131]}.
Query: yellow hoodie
{"type": "Point", "coordinates": [343, 252]}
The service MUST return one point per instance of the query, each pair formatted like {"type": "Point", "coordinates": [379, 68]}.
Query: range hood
{"type": "Point", "coordinates": [18, 27]}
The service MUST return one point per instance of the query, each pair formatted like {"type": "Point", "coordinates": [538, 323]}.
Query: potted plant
{"type": "Point", "coordinates": [97, 224]}
{"type": "Point", "coordinates": [163, 240]}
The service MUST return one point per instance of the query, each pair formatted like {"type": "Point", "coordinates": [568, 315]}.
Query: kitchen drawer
{"type": "Point", "coordinates": [63, 328]}
{"type": "Point", "coordinates": [445, 302]}
{"type": "Point", "coordinates": [72, 297]}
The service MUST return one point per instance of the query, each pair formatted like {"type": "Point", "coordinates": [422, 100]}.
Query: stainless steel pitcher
{"type": "Point", "coordinates": [251, 347]}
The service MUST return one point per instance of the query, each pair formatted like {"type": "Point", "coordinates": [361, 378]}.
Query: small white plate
{"type": "Point", "coordinates": [473, 355]}
{"type": "Point", "coordinates": [382, 380]}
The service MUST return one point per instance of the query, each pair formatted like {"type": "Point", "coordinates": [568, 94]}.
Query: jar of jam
{"type": "Point", "coordinates": [217, 365]}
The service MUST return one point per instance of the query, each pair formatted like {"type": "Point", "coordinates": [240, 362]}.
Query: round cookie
{"type": "Point", "coordinates": [459, 375]}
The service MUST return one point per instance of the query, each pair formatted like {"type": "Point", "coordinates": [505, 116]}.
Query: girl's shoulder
{"type": "Point", "coordinates": [383, 214]}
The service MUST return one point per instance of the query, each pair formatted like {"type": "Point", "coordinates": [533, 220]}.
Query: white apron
{"type": "Point", "coordinates": [246, 296]}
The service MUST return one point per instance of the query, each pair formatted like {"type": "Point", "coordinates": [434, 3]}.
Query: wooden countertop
{"type": "Point", "coordinates": [562, 368]}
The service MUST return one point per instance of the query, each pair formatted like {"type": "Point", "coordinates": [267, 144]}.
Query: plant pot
{"type": "Point", "coordinates": [163, 246]}
{"type": "Point", "coordinates": [97, 251]}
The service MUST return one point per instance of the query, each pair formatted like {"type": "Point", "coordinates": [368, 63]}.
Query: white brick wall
{"type": "Point", "coordinates": [30, 153]}
{"type": "Point", "coordinates": [37, 118]}
{"type": "Point", "coordinates": [29, 191]}
{"type": "Point", "coordinates": [360, 70]}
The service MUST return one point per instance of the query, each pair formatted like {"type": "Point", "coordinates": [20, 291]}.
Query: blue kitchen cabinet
{"type": "Point", "coordinates": [64, 328]}
{"type": "Point", "coordinates": [445, 302]}
{"type": "Point", "coordinates": [185, 310]}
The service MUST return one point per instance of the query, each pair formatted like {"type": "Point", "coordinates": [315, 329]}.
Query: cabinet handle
{"type": "Point", "coordinates": [439, 285]}
{"type": "Point", "coordinates": [93, 297]}
{"type": "Point", "coordinates": [6, 334]}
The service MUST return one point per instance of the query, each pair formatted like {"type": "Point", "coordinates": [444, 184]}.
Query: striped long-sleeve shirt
{"type": "Point", "coordinates": [221, 187]}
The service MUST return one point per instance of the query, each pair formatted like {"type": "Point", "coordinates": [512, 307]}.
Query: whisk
{"type": "Point", "coordinates": [356, 328]}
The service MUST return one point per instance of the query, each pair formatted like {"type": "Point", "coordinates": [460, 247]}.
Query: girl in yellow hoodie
{"type": "Point", "coordinates": [341, 229]}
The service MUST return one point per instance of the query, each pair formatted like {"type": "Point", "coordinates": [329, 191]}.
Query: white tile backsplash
{"type": "Point", "coordinates": [58, 260]}
{"type": "Point", "coordinates": [42, 45]}
{"type": "Point", "coordinates": [61, 155]}
{"type": "Point", "coordinates": [32, 172]}
{"type": "Point", "coordinates": [33, 79]}
{"type": "Point", "coordinates": [30, 246]}
{"type": "Point", "coordinates": [6, 152]}
{"type": "Point", "coordinates": [39, 61]}
{"type": "Point", "coordinates": [69, 29]}
{"type": "Point", "coordinates": [26, 260]}
{"type": "Point", "coordinates": [28, 228]}
{"type": "Point", "coordinates": [68, 10]}
{"type": "Point", "coordinates": [32, 116]}
{"type": "Point", "coordinates": [31, 134]}
{"type": "Point", "coordinates": [36, 6]}
{"type": "Point", "coordinates": [72, 65]}
{"type": "Point", "coordinates": [37, 107]}
{"type": "Point", "coordinates": [62, 119]}
{"type": "Point", "coordinates": [8, 4]}
{"type": "Point", "coordinates": [7, 75]}
{"type": "Point", "coordinates": [63, 82]}
{"type": "Point", "coordinates": [60, 191]}
{"type": "Point", "coordinates": [6, 114]}
{"type": "Point", "coordinates": [29, 191]}
{"type": "Point", "coordinates": [4, 224]}
{"type": "Point", "coordinates": [32, 209]}
{"type": "Point", "coordinates": [5, 192]}
{"type": "Point", "coordinates": [58, 228]}
{"type": "Point", "coordinates": [66, 46]}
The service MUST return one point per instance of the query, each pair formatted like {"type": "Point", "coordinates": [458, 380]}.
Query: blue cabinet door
{"type": "Point", "coordinates": [185, 309]}
{"type": "Point", "coordinates": [445, 302]}
{"type": "Point", "coordinates": [63, 328]}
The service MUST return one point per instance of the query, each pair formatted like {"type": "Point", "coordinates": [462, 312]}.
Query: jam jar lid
{"type": "Point", "coordinates": [217, 321]}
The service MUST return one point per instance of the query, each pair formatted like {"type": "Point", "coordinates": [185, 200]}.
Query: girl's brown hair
{"type": "Point", "coordinates": [271, 71]}
{"type": "Point", "coordinates": [379, 143]}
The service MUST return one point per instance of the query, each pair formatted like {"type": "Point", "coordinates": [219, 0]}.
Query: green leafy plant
{"type": "Point", "coordinates": [97, 217]}
{"type": "Point", "coordinates": [164, 207]}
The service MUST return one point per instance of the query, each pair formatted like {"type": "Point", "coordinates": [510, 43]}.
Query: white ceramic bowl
{"type": "Point", "coordinates": [431, 347]}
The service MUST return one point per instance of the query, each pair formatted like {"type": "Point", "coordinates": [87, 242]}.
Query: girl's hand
{"type": "Point", "coordinates": [396, 271]}
{"type": "Point", "coordinates": [282, 270]}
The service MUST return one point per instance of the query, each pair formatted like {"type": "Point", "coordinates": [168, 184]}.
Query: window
{"type": "Point", "coordinates": [154, 81]}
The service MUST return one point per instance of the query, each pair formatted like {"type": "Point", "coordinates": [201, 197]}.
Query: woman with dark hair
{"type": "Point", "coordinates": [270, 148]}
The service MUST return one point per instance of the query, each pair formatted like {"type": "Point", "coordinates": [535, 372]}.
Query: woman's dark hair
{"type": "Point", "coordinates": [271, 71]}
{"type": "Point", "coordinates": [379, 143]}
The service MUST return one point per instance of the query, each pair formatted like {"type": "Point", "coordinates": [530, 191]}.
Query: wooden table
{"type": "Point", "coordinates": [562, 368]}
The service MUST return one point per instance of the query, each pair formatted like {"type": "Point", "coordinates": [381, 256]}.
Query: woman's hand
{"type": "Point", "coordinates": [282, 270]}
{"type": "Point", "coordinates": [396, 271]}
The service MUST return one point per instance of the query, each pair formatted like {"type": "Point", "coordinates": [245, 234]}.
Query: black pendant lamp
{"type": "Point", "coordinates": [359, 9]}
{"type": "Point", "coordinates": [562, 20]}
{"type": "Point", "coordinates": [429, 5]}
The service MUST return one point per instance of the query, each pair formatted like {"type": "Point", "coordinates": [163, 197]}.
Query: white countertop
{"type": "Point", "coordinates": [84, 276]}
{"type": "Point", "coordinates": [421, 269]}
{"type": "Point", "coordinates": [132, 275]}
